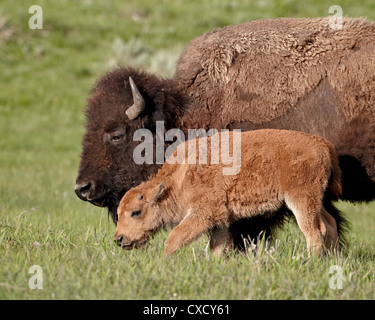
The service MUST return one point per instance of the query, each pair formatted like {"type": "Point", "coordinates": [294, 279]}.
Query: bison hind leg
{"type": "Point", "coordinates": [220, 241]}
{"type": "Point", "coordinates": [342, 223]}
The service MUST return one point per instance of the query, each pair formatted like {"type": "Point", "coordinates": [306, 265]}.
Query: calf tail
{"type": "Point", "coordinates": [343, 225]}
{"type": "Point", "coordinates": [335, 182]}
{"type": "Point", "coordinates": [333, 193]}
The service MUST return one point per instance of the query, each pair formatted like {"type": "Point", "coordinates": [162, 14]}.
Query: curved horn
{"type": "Point", "coordinates": [139, 103]}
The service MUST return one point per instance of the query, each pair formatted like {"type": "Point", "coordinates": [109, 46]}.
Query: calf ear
{"type": "Point", "coordinates": [159, 190]}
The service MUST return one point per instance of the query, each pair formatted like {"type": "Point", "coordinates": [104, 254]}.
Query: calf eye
{"type": "Point", "coordinates": [136, 213]}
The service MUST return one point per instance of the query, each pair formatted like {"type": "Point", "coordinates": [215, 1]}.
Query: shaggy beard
{"type": "Point", "coordinates": [112, 211]}
{"type": "Point", "coordinates": [112, 202]}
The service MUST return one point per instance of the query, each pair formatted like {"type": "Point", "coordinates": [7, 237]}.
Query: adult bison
{"type": "Point", "coordinates": [285, 73]}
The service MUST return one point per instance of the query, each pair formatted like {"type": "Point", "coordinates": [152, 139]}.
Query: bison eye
{"type": "Point", "coordinates": [117, 138]}
{"type": "Point", "coordinates": [136, 213]}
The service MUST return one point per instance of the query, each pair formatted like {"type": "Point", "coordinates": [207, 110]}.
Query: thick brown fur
{"type": "Point", "coordinates": [277, 168]}
{"type": "Point", "coordinates": [287, 73]}
{"type": "Point", "coordinates": [267, 65]}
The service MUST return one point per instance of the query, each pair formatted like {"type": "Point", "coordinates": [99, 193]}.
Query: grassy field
{"type": "Point", "coordinates": [46, 76]}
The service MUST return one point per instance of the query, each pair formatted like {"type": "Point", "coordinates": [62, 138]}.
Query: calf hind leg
{"type": "Point", "coordinates": [307, 214]}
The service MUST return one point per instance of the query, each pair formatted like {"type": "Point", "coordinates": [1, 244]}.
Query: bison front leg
{"type": "Point", "coordinates": [189, 229]}
{"type": "Point", "coordinates": [221, 240]}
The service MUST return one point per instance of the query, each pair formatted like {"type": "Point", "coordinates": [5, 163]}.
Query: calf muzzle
{"type": "Point", "coordinates": [121, 242]}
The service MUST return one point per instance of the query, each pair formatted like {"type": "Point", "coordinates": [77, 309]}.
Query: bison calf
{"type": "Point", "coordinates": [278, 168]}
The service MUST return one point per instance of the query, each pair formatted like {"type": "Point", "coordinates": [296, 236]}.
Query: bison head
{"type": "Point", "coordinates": [122, 102]}
{"type": "Point", "coordinates": [138, 216]}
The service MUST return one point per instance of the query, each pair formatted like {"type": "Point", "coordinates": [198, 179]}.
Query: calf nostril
{"type": "Point", "coordinates": [118, 240]}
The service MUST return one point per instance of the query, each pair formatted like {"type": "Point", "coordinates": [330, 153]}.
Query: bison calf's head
{"type": "Point", "coordinates": [138, 216]}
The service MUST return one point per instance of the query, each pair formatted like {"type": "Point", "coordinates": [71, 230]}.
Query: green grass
{"type": "Point", "coordinates": [46, 76]}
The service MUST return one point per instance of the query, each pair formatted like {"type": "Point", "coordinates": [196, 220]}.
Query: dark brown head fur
{"type": "Point", "coordinates": [107, 169]}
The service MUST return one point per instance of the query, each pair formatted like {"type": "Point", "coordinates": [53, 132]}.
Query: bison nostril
{"type": "Point", "coordinates": [82, 190]}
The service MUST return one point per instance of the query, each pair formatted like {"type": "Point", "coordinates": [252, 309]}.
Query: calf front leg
{"type": "Point", "coordinates": [189, 229]}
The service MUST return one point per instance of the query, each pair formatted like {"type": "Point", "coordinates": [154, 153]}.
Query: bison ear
{"type": "Point", "coordinates": [158, 191]}
{"type": "Point", "coordinates": [159, 99]}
